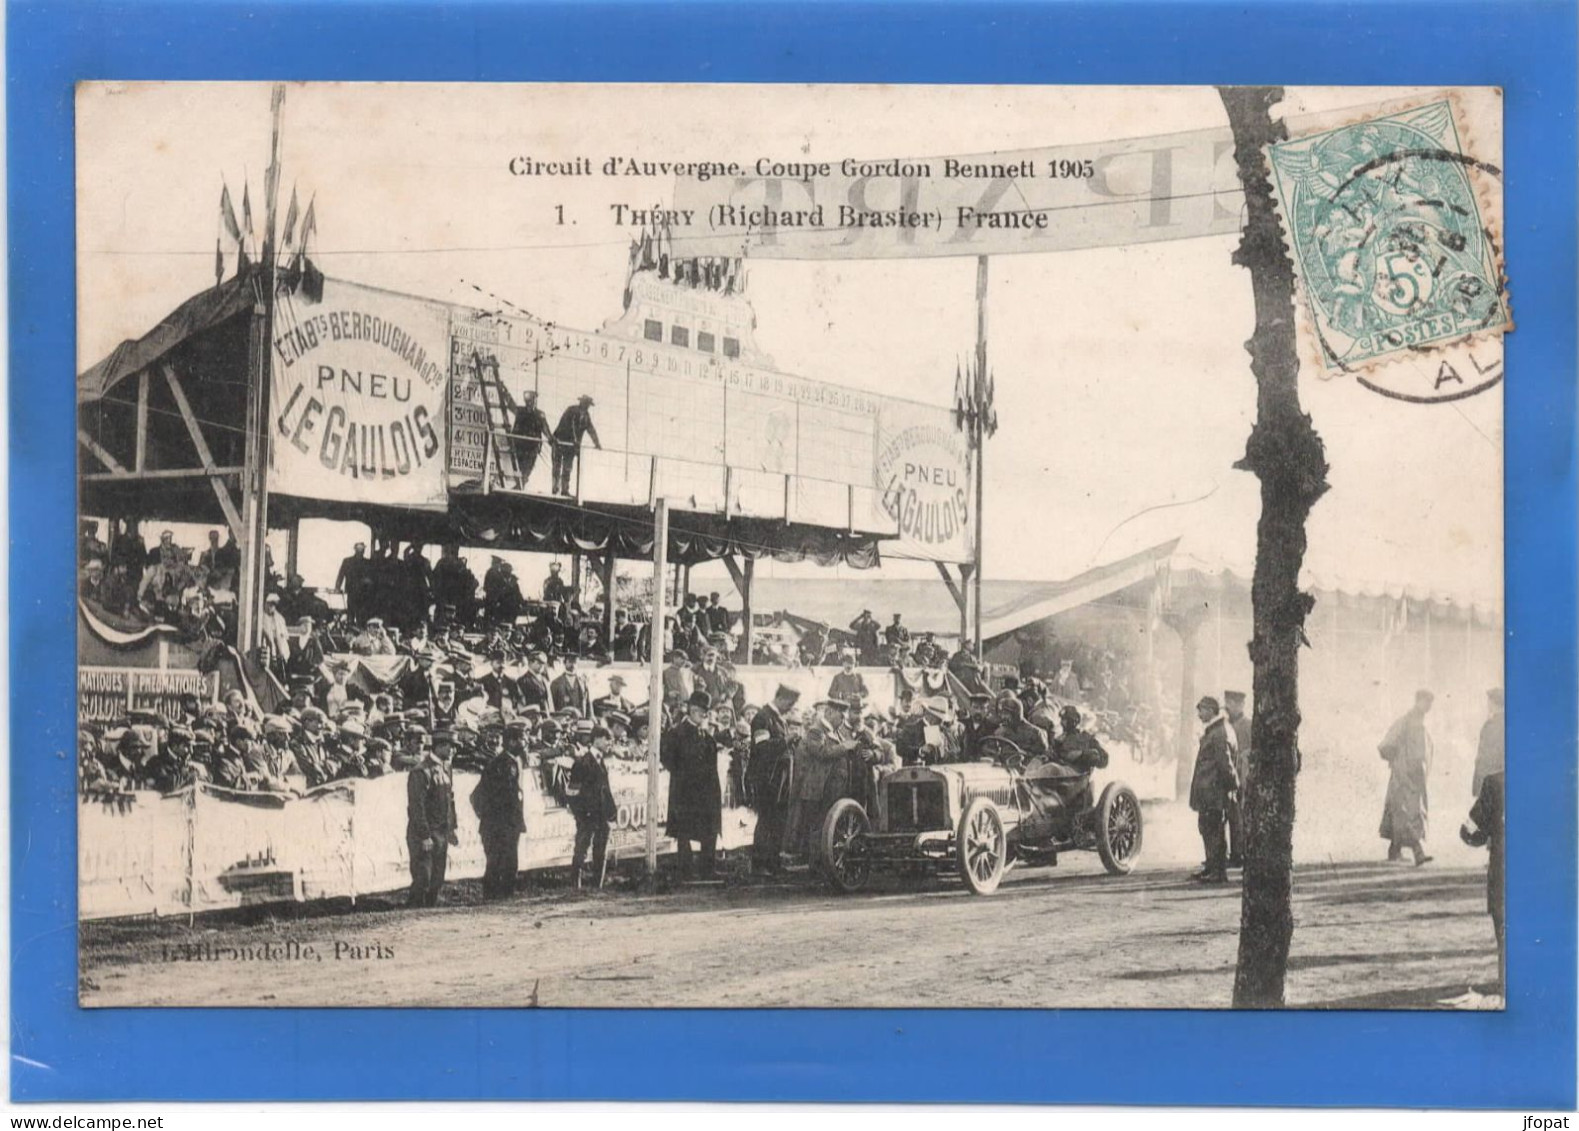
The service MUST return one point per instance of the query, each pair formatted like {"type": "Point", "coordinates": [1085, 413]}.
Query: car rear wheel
{"type": "Point", "coordinates": [1119, 828]}
{"type": "Point", "coordinates": [982, 846]}
{"type": "Point", "coordinates": [843, 857]}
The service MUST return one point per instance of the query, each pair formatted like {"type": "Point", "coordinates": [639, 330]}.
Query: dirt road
{"type": "Point", "coordinates": [1367, 935]}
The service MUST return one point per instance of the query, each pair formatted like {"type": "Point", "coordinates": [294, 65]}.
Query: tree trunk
{"type": "Point", "coordinates": [1287, 457]}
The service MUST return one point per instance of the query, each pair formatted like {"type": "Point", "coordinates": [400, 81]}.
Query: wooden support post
{"type": "Point", "coordinates": [293, 540]}
{"type": "Point", "coordinates": [575, 575]}
{"type": "Point", "coordinates": [609, 604]}
{"type": "Point", "coordinates": [204, 456]}
{"type": "Point", "coordinates": [99, 453]}
{"type": "Point", "coordinates": [981, 434]}
{"type": "Point", "coordinates": [742, 575]}
{"type": "Point", "coordinates": [660, 561]}
{"type": "Point", "coordinates": [960, 591]}
{"type": "Point", "coordinates": [142, 421]}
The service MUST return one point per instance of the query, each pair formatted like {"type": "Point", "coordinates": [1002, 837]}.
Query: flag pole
{"type": "Point", "coordinates": [979, 392]}
{"type": "Point", "coordinates": [255, 476]}
{"type": "Point", "coordinates": [660, 565]}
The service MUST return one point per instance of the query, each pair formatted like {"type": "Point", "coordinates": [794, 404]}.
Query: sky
{"type": "Point", "coordinates": [1124, 392]}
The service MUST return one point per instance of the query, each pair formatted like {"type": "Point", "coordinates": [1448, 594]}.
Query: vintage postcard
{"type": "Point", "coordinates": [790, 546]}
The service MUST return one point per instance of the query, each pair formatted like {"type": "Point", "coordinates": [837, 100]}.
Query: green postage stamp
{"type": "Point", "coordinates": [1394, 230]}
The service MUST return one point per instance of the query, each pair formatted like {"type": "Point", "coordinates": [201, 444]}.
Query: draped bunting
{"type": "Point", "coordinates": [504, 524]}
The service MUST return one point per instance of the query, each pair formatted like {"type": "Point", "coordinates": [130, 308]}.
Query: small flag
{"type": "Point", "coordinates": [227, 213]}
{"type": "Point", "coordinates": [290, 219]}
{"type": "Point", "coordinates": [246, 209]}
{"type": "Point", "coordinates": [310, 221]}
{"type": "Point", "coordinates": [219, 262]}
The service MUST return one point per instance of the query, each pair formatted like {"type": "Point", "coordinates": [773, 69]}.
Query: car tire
{"type": "Point", "coordinates": [839, 855]}
{"type": "Point", "coordinates": [1119, 828]}
{"type": "Point", "coordinates": [981, 845]}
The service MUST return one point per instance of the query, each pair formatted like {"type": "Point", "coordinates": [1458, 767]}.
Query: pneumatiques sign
{"type": "Point", "coordinates": [358, 397]}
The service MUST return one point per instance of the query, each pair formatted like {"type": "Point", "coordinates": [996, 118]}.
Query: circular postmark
{"type": "Point", "coordinates": [1395, 258]}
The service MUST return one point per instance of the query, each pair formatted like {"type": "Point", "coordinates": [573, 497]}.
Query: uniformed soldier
{"type": "Point", "coordinates": [497, 802]}
{"type": "Point", "coordinates": [430, 820]}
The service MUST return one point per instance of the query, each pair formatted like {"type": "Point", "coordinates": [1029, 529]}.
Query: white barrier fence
{"type": "Point", "coordinates": [207, 848]}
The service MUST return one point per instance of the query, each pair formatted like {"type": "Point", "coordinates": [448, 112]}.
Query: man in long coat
{"type": "Point", "coordinates": [1407, 750]}
{"type": "Point", "coordinates": [696, 798]}
{"type": "Point", "coordinates": [1212, 789]}
{"type": "Point", "coordinates": [822, 775]}
{"type": "Point", "coordinates": [767, 774]}
{"type": "Point", "coordinates": [430, 820]}
{"type": "Point", "coordinates": [497, 803]}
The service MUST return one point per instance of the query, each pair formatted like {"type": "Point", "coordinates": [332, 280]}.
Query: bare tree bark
{"type": "Point", "coordinates": [1288, 458]}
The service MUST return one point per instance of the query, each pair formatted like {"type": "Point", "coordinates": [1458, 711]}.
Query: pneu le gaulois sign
{"type": "Point", "coordinates": [358, 397]}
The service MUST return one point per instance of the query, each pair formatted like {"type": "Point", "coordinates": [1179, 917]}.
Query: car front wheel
{"type": "Point", "coordinates": [982, 846]}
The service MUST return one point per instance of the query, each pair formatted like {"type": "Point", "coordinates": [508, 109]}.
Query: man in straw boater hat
{"type": "Point", "coordinates": [689, 752]}
{"type": "Point", "coordinates": [767, 780]}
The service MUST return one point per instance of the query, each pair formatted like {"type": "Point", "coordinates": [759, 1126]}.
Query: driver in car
{"type": "Point", "coordinates": [1074, 747]}
{"type": "Point", "coordinates": [1029, 737]}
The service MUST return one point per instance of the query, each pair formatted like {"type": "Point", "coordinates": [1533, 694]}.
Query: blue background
{"type": "Point", "coordinates": [1523, 1058]}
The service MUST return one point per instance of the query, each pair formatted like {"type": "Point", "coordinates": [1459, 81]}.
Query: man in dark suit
{"type": "Point", "coordinates": [430, 820]}
{"type": "Point", "coordinates": [532, 689]}
{"type": "Point", "coordinates": [495, 682]}
{"type": "Point", "coordinates": [591, 802]}
{"type": "Point", "coordinates": [767, 774]}
{"type": "Point", "coordinates": [718, 617]}
{"type": "Point", "coordinates": [528, 431]}
{"type": "Point", "coordinates": [571, 690]}
{"type": "Point", "coordinates": [573, 425]}
{"type": "Point", "coordinates": [1213, 789]}
{"type": "Point", "coordinates": [696, 802]}
{"type": "Point", "coordinates": [497, 803]}
{"type": "Point", "coordinates": [351, 581]}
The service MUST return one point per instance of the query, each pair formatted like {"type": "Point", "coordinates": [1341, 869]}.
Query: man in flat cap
{"type": "Point", "coordinates": [528, 431]}
{"type": "Point", "coordinates": [271, 763]}
{"type": "Point", "coordinates": [689, 751]}
{"type": "Point", "coordinates": [1213, 788]}
{"type": "Point", "coordinates": [430, 820]}
{"type": "Point", "coordinates": [497, 802]}
{"type": "Point", "coordinates": [573, 425]}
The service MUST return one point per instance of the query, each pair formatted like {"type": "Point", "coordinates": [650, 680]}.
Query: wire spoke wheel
{"type": "Point", "coordinates": [1119, 828]}
{"type": "Point", "coordinates": [844, 860]}
{"type": "Point", "coordinates": [982, 846]}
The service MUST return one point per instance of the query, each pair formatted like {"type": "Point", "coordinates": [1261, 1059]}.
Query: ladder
{"type": "Point", "coordinates": [498, 406]}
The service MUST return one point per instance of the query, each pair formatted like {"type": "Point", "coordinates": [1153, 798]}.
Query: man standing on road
{"type": "Point", "coordinates": [573, 425]}
{"type": "Point", "coordinates": [591, 802]}
{"type": "Point", "coordinates": [497, 803]}
{"type": "Point", "coordinates": [430, 820]}
{"type": "Point", "coordinates": [766, 775]}
{"type": "Point", "coordinates": [1234, 708]}
{"type": "Point", "coordinates": [696, 802]}
{"type": "Point", "coordinates": [1407, 751]}
{"type": "Point", "coordinates": [1212, 789]}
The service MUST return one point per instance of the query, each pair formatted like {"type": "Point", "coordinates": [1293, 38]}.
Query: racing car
{"type": "Point", "coordinates": [979, 818]}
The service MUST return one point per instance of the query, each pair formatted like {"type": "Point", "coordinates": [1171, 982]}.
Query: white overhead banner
{"type": "Point", "coordinates": [1059, 198]}
{"type": "Point", "coordinates": [358, 385]}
